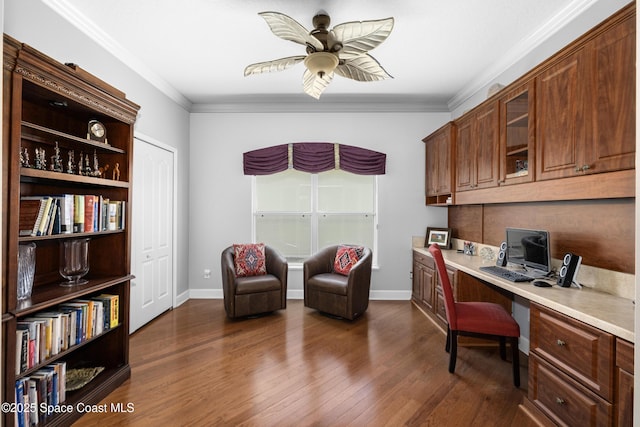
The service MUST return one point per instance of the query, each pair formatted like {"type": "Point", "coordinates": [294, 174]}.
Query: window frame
{"type": "Point", "coordinates": [315, 216]}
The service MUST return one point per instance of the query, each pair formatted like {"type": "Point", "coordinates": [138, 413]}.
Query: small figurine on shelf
{"type": "Point", "coordinates": [71, 167]}
{"type": "Point", "coordinates": [96, 168]}
{"type": "Point", "coordinates": [87, 168]}
{"type": "Point", "coordinates": [56, 160]}
{"type": "Point", "coordinates": [40, 161]}
{"type": "Point", "coordinates": [116, 172]}
{"type": "Point", "coordinates": [24, 158]}
{"type": "Point", "coordinates": [103, 171]}
{"type": "Point", "coordinates": [80, 164]}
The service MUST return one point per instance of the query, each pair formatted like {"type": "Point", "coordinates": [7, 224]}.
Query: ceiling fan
{"type": "Point", "coordinates": [342, 50]}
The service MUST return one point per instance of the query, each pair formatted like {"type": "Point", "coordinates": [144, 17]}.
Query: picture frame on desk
{"type": "Point", "coordinates": [439, 236]}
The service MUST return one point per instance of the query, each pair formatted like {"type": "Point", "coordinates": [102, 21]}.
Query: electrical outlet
{"type": "Point", "coordinates": [207, 273]}
{"type": "Point", "coordinates": [411, 275]}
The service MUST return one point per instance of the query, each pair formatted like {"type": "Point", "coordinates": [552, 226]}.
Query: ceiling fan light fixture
{"type": "Point", "coordinates": [321, 63]}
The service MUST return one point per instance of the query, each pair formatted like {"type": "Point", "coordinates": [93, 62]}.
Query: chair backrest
{"type": "Point", "coordinates": [450, 305]}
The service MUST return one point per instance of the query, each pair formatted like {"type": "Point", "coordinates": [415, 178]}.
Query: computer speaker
{"type": "Point", "coordinates": [569, 269]}
{"type": "Point", "coordinates": [501, 261]}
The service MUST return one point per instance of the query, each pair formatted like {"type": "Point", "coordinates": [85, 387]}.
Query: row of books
{"type": "Point", "coordinates": [38, 394]}
{"type": "Point", "coordinates": [47, 333]}
{"type": "Point", "coordinates": [69, 213]}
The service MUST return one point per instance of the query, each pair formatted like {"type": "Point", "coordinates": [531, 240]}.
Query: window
{"type": "Point", "coordinates": [298, 212]}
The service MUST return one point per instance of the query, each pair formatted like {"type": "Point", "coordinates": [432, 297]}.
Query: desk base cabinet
{"type": "Point", "coordinates": [578, 374]}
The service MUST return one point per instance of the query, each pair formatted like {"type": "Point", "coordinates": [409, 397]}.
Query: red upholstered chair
{"type": "Point", "coordinates": [476, 319]}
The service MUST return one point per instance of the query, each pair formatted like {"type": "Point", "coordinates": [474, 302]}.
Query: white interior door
{"type": "Point", "coordinates": [152, 290]}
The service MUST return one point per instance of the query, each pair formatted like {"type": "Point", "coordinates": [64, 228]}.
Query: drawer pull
{"type": "Point", "coordinates": [560, 343]}
{"type": "Point", "coordinates": [559, 401]}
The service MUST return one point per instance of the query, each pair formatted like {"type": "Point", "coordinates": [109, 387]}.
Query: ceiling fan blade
{"type": "Point", "coordinates": [271, 66]}
{"type": "Point", "coordinates": [363, 68]}
{"type": "Point", "coordinates": [360, 37]}
{"type": "Point", "coordinates": [314, 85]}
{"type": "Point", "coordinates": [289, 29]}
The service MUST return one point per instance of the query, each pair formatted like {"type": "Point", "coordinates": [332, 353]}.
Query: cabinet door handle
{"type": "Point", "coordinates": [583, 169]}
{"type": "Point", "coordinates": [560, 401]}
{"type": "Point", "coordinates": [561, 343]}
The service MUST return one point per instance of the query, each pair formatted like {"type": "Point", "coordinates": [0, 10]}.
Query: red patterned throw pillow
{"type": "Point", "coordinates": [249, 259]}
{"type": "Point", "coordinates": [346, 257]}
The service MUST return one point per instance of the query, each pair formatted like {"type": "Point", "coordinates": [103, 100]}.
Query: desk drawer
{"type": "Point", "coordinates": [423, 259]}
{"type": "Point", "coordinates": [564, 400]}
{"type": "Point", "coordinates": [582, 351]}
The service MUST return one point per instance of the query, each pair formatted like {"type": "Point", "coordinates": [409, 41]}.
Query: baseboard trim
{"type": "Point", "coordinates": [291, 294]}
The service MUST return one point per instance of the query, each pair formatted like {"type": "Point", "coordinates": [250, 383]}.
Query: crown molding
{"type": "Point", "coordinates": [92, 30]}
{"type": "Point", "coordinates": [301, 103]}
{"type": "Point", "coordinates": [520, 51]}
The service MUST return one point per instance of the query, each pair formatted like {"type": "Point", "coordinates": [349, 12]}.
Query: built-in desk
{"type": "Point", "coordinates": [606, 312]}
{"type": "Point", "coordinates": [580, 369]}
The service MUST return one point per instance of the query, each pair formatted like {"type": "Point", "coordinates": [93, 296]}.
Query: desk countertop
{"type": "Point", "coordinates": [604, 311]}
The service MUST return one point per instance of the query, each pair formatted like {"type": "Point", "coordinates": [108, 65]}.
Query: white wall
{"type": "Point", "coordinates": [31, 22]}
{"type": "Point", "coordinates": [220, 209]}
{"type": "Point", "coordinates": [596, 12]}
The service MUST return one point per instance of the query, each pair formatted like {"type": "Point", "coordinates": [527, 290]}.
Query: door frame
{"type": "Point", "coordinates": [174, 224]}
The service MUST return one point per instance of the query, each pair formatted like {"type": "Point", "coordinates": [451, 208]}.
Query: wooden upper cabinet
{"type": "Point", "coordinates": [438, 173]}
{"type": "Point", "coordinates": [517, 135]}
{"type": "Point", "coordinates": [614, 102]}
{"type": "Point", "coordinates": [487, 146]}
{"type": "Point", "coordinates": [464, 154]}
{"type": "Point", "coordinates": [586, 108]}
{"type": "Point", "coordinates": [561, 127]}
{"type": "Point", "coordinates": [477, 149]}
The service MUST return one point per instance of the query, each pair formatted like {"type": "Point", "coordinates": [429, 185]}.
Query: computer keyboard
{"type": "Point", "coordinates": [503, 273]}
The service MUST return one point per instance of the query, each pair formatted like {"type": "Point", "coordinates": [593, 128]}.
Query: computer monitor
{"type": "Point", "coordinates": [529, 248]}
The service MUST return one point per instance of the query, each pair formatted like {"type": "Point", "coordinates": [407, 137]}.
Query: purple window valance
{"type": "Point", "coordinates": [266, 160]}
{"type": "Point", "coordinates": [314, 157]}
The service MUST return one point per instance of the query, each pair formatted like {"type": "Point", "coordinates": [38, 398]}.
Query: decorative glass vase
{"type": "Point", "coordinates": [26, 269]}
{"type": "Point", "coordinates": [74, 261]}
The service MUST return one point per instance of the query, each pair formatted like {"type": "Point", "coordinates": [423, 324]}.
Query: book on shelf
{"type": "Point", "coordinates": [22, 350]}
{"type": "Point", "coordinates": [70, 213]}
{"type": "Point", "coordinates": [90, 213]}
{"type": "Point", "coordinates": [112, 303]}
{"type": "Point", "coordinates": [66, 202]}
{"type": "Point", "coordinates": [31, 211]}
{"type": "Point", "coordinates": [78, 213]}
{"type": "Point", "coordinates": [37, 394]}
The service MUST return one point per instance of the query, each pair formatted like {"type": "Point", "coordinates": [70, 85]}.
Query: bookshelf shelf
{"type": "Point", "coordinates": [52, 294]}
{"type": "Point", "coordinates": [49, 177]}
{"type": "Point", "coordinates": [47, 113]}
{"type": "Point", "coordinates": [44, 135]}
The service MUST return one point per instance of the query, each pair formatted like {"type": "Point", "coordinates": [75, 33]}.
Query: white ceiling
{"type": "Point", "coordinates": [196, 50]}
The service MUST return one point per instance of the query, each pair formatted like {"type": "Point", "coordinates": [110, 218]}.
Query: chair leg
{"type": "Point", "coordinates": [515, 360]}
{"type": "Point", "coordinates": [447, 345]}
{"type": "Point", "coordinates": [453, 342]}
{"type": "Point", "coordinates": [503, 348]}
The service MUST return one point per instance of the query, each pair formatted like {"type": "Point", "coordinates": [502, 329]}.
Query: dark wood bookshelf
{"type": "Point", "coordinates": [47, 104]}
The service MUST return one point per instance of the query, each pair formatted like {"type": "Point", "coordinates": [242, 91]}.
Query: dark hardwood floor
{"type": "Point", "coordinates": [193, 366]}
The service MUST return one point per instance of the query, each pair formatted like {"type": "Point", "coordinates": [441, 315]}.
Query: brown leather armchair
{"type": "Point", "coordinates": [248, 296]}
{"type": "Point", "coordinates": [333, 293]}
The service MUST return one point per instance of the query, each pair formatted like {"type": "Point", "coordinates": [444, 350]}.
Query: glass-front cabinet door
{"type": "Point", "coordinates": [517, 135]}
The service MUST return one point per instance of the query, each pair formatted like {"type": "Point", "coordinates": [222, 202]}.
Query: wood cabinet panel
{"type": "Point", "coordinates": [438, 170]}
{"type": "Point", "coordinates": [464, 155]}
{"type": "Point", "coordinates": [477, 149]}
{"type": "Point", "coordinates": [560, 110]}
{"type": "Point", "coordinates": [431, 168]}
{"type": "Point", "coordinates": [563, 400]}
{"type": "Point", "coordinates": [624, 383]}
{"type": "Point", "coordinates": [613, 99]}
{"type": "Point", "coordinates": [487, 141]}
{"type": "Point", "coordinates": [583, 352]}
